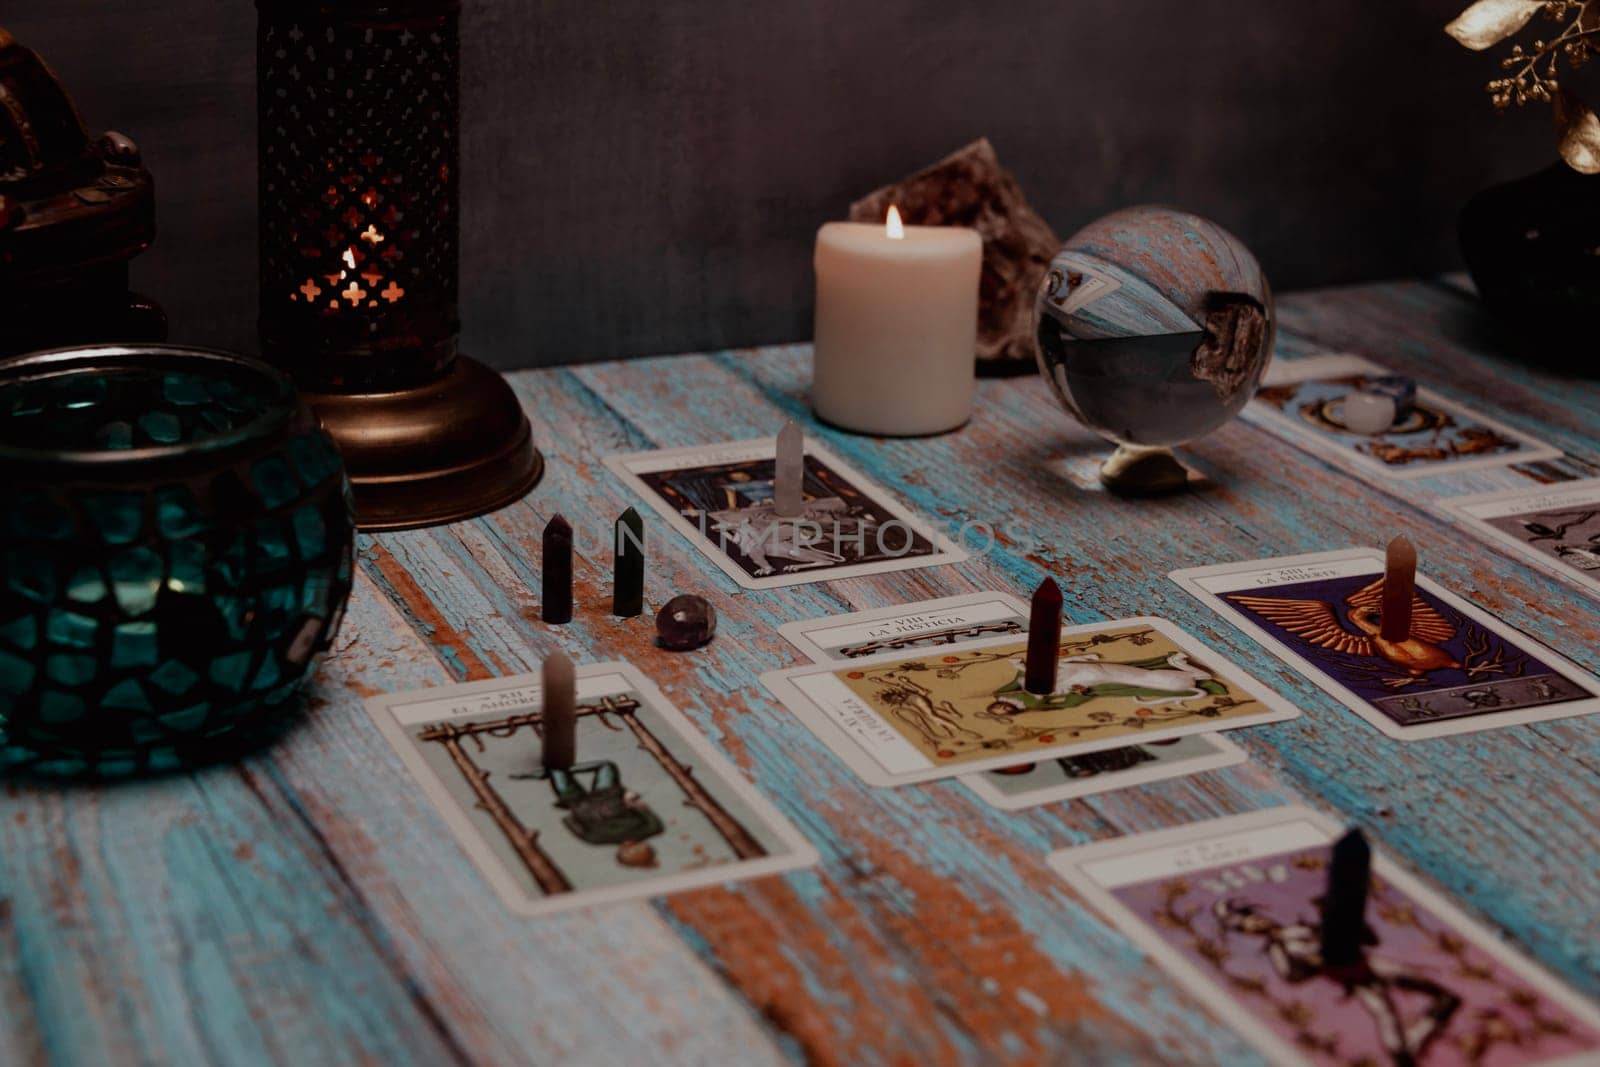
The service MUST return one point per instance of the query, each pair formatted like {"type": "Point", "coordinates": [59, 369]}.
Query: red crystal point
{"type": "Point", "coordinates": [1399, 590]}
{"type": "Point", "coordinates": [1044, 639]}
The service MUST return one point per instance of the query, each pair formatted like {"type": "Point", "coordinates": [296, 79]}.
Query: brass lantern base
{"type": "Point", "coordinates": [437, 453]}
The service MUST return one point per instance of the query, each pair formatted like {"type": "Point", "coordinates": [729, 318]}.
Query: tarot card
{"type": "Point", "coordinates": [901, 717]}
{"type": "Point", "coordinates": [956, 620]}
{"type": "Point", "coordinates": [1556, 528]}
{"type": "Point", "coordinates": [1304, 398]}
{"type": "Point", "coordinates": [720, 498]}
{"type": "Point", "coordinates": [1232, 909]}
{"type": "Point", "coordinates": [1461, 670]}
{"type": "Point", "coordinates": [1568, 468]}
{"type": "Point", "coordinates": [1028, 785]}
{"type": "Point", "coordinates": [947, 621]}
{"type": "Point", "coordinates": [649, 808]}
{"type": "Point", "coordinates": [1077, 289]}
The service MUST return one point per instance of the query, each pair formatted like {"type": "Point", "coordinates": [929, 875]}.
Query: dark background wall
{"type": "Point", "coordinates": [646, 177]}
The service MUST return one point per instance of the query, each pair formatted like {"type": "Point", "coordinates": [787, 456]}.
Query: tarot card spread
{"type": "Point", "coordinates": [1305, 398]}
{"type": "Point", "coordinates": [721, 498]}
{"type": "Point", "coordinates": [1461, 670]}
{"type": "Point", "coordinates": [1556, 528]}
{"type": "Point", "coordinates": [1232, 908]}
{"type": "Point", "coordinates": [903, 717]}
{"type": "Point", "coordinates": [953, 621]}
{"type": "Point", "coordinates": [649, 807]}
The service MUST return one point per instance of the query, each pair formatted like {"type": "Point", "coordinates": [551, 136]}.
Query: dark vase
{"type": "Point", "coordinates": [175, 547]}
{"type": "Point", "coordinates": [1533, 247]}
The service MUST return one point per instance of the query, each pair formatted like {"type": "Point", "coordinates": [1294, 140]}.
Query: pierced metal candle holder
{"type": "Point", "coordinates": [359, 123]}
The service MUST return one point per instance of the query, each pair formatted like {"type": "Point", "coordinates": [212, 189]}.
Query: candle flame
{"type": "Point", "coordinates": [892, 225]}
{"type": "Point", "coordinates": [349, 259]}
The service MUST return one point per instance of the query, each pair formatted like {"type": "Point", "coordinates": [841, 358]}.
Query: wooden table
{"type": "Point", "coordinates": [308, 906]}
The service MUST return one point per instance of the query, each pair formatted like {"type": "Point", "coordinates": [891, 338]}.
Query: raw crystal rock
{"type": "Point", "coordinates": [686, 623]}
{"type": "Point", "coordinates": [971, 188]}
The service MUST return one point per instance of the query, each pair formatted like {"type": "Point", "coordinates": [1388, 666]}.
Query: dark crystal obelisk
{"type": "Point", "coordinates": [1344, 907]}
{"type": "Point", "coordinates": [556, 595]}
{"type": "Point", "coordinates": [627, 598]}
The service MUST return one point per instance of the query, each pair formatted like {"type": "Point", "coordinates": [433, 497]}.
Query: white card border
{"type": "Point", "coordinates": [467, 838]}
{"type": "Point", "coordinates": [1228, 754]}
{"type": "Point", "coordinates": [1455, 509]}
{"type": "Point", "coordinates": [1295, 371]}
{"type": "Point", "coordinates": [1188, 579]}
{"type": "Point", "coordinates": [1069, 864]}
{"type": "Point", "coordinates": [797, 632]}
{"type": "Point", "coordinates": [780, 685]}
{"type": "Point", "coordinates": [946, 551]}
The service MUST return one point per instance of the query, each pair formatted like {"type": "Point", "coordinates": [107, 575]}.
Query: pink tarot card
{"type": "Point", "coordinates": [1232, 909]}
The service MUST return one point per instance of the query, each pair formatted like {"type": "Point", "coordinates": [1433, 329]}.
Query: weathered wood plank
{"type": "Point", "coordinates": [1121, 551]}
{"type": "Point", "coordinates": [505, 989]}
{"type": "Point", "coordinates": [307, 905]}
{"type": "Point", "coordinates": [949, 864]}
{"type": "Point", "coordinates": [773, 942]}
{"type": "Point", "coordinates": [180, 920]}
{"type": "Point", "coordinates": [272, 913]}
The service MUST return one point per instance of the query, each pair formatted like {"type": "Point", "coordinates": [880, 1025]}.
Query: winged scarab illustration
{"type": "Point", "coordinates": [1319, 622]}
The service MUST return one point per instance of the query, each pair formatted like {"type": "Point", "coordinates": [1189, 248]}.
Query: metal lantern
{"type": "Point", "coordinates": [360, 259]}
{"type": "Point", "coordinates": [73, 212]}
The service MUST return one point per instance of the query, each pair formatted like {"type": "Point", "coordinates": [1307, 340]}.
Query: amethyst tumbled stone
{"type": "Point", "coordinates": [686, 623]}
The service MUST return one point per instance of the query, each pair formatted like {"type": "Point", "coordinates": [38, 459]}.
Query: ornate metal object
{"type": "Point", "coordinates": [359, 208]}
{"type": "Point", "coordinates": [73, 212]}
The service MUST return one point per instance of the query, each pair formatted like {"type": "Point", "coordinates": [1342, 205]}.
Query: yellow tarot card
{"type": "Point", "coordinates": [934, 713]}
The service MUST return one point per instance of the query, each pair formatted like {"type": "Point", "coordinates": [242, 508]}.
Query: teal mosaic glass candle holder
{"type": "Point", "coordinates": [175, 548]}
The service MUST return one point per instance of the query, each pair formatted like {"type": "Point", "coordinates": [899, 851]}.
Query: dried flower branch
{"type": "Point", "coordinates": [1533, 72]}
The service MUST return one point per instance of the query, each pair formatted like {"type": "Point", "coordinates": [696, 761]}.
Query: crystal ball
{"type": "Point", "coordinates": [1154, 326]}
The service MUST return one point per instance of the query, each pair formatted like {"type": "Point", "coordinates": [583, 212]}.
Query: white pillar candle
{"type": "Point", "coordinates": [896, 327]}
